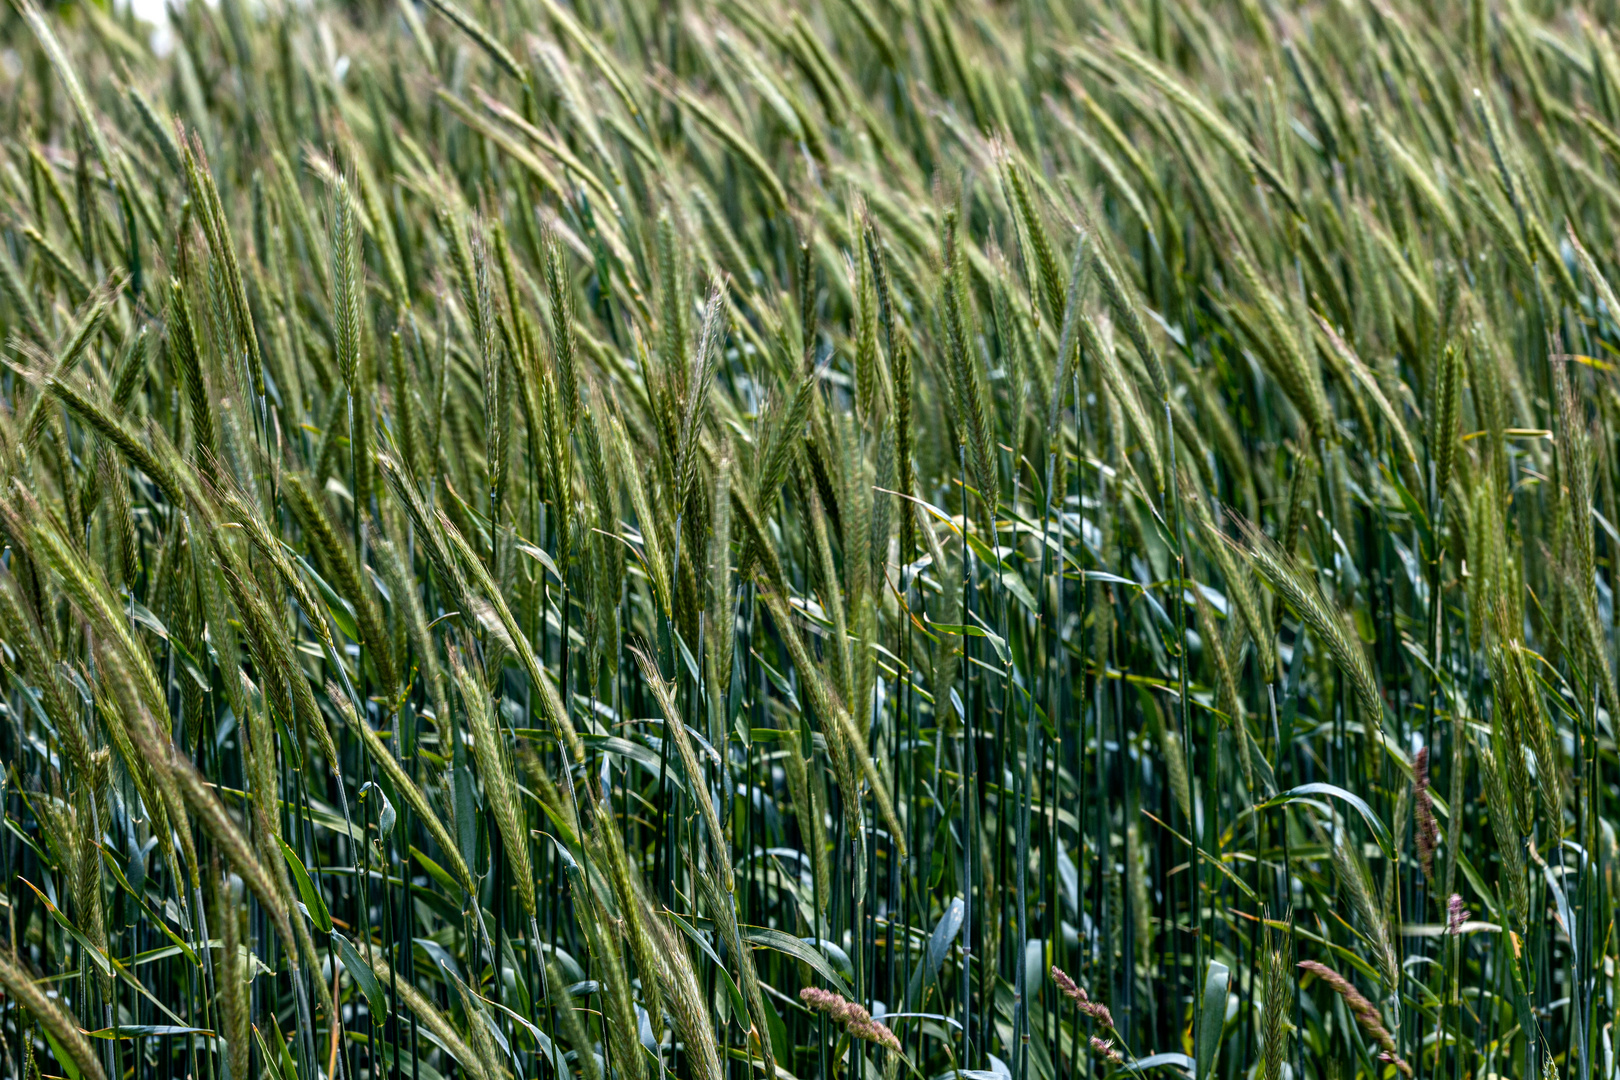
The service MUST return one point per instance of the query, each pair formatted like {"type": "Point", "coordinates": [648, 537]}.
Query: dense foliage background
{"type": "Point", "coordinates": [909, 537]}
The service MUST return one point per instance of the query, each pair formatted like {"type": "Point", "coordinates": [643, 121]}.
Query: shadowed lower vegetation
{"type": "Point", "coordinates": [860, 538]}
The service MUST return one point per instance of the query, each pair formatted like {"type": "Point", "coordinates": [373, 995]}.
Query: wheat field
{"type": "Point", "coordinates": [704, 539]}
